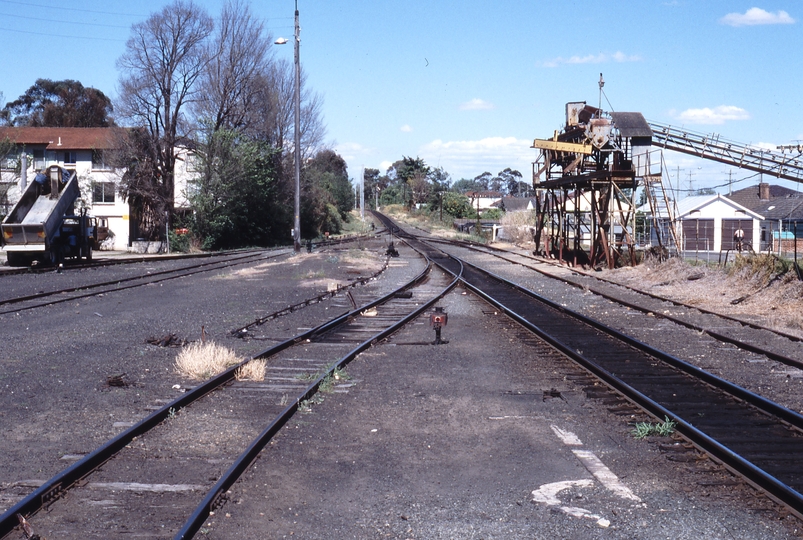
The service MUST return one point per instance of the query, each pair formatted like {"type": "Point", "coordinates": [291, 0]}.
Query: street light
{"type": "Point", "coordinates": [297, 136]}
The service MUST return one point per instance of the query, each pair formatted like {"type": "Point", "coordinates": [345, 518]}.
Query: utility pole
{"type": "Point", "coordinates": [362, 194]}
{"type": "Point", "coordinates": [297, 140]}
{"type": "Point", "coordinates": [296, 132]}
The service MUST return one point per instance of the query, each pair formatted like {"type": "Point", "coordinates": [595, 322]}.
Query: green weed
{"type": "Point", "coordinates": [644, 429]}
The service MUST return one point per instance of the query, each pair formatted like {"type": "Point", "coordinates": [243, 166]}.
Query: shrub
{"type": "Point", "coordinates": [204, 360]}
{"type": "Point", "coordinates": [519, 226]}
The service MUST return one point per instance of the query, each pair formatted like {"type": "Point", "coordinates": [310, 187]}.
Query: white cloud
{"type": "Point", "coordinates": [384, 166]}
{"type": "Point", "coordinates": [467, 159]}
{"type": "Point", "coordinates": [755, 16]}
{"type": "Point", "coordinates": [476, 104]}
{"type": "Point", "coordinates": [406, 128]}
{"type": "Point", "coordinates": [350, 151]}
{"type": "Point", "coordinates": [601, 58]}
{"type": "Point", "coordinates": [717, 115]}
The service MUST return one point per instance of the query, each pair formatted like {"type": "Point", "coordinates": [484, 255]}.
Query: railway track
{"type": "Point", "coordinates": [101, 262]}
{"type": "Point", "coordinates": [753, 436]}
{"type": "Point", "coordinates": [148, 479]}
{"type": "Point", "coordinates": [23, 302]}
{"type": "Point", "coordinates": [745, 335]}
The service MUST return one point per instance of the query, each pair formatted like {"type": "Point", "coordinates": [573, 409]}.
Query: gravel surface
{"type": "Point", "coordinates": [56, 403]}
{"type": "Point", "coordinates": [427, 442]}
{"type": "Point", "coordinates": [452, 441]}
{"type": "Point", "coordinates": [773, 380]}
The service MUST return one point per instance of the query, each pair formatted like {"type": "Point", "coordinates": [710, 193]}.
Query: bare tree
{"type": "Point", "coordinates": [231, 79]}
{"type": "Point", "coordinates": [164, 58]}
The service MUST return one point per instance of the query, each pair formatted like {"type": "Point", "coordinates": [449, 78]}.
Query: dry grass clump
{"type": "Point", "coordinates": [759, 268]}
{"type": "Point", "coordinates": [252, 371]}
{"type": "Point", "coordinates": [519, 226]}
{"type": "Point", "coordinates": [760, 286]}
{"type": "Point", "coordinates": [203, 360]}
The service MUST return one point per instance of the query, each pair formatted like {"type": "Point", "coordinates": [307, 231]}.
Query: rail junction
{"type": "Point", "coordinates": [629, 374]}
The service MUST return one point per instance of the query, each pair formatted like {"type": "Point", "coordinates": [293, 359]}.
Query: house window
{"type": "Point", "coordinates": [9, 161]}
{"type": "Point", "coordinates": [69, 158]}
{"type": "Point", "coordinates": [38, 159]}
{"type": "Point", "coordinates": [5, 204]}
{"type": "Point", "coordinates": [99, 162]}
{"type": "Point", "coordinates": [103, 192]}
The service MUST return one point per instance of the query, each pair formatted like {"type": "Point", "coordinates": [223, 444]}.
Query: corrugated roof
{"type": "Point", "coordinates": [631, 124]}
{"type": "Point", "coordinates": [62, 138]}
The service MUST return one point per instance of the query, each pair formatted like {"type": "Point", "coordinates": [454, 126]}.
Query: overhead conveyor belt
{"type": "Point", "coordinates": [713, 147]}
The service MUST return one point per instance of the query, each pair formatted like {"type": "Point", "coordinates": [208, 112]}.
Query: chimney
{"type": "Point", "coordinates": [764, 191]}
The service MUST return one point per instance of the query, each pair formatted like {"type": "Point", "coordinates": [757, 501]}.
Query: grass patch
{"type": "Point", "coordinates": [643, 430]}
{"type": "Point", "coordinates": [761, 267]}
{"type": "Point", "coordinates": [312, 274]}
{"type": "Point", "coordinates": [252, 371]}
{"type": "Point", "coordinates": [204, 360]}
{"type": "Point", "coordinates": [326, 386]}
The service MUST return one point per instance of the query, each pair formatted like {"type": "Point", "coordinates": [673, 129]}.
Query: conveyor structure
{"type": "Point", "coordinates": [587, 176]}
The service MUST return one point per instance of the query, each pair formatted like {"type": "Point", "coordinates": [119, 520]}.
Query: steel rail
{"type": "Point", "coordinates": [101, 262]}
{"type": "Point", "coordinates": [240, 332]}
{"type": "Point", "coordinates": [59, 483]}
{"type": "Point", "coordinates": [216, 495]}
{"type": "Point", "coordinates": [772, 355]}
{"type": "Point", "coordinates": [751, 472]}
{"type": "Point", "coordinates": [144, 280]}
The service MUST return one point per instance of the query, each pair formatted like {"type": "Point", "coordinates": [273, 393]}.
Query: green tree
{"type": "Point", "coordinates": [466, 184]}
{"type": "Point", "coordinates": [327, 171]}
{"type": "Point", "coordinates": [237, 199]}
{"type": "Point", "coordinates": [64, 103]}
{"type": "Point", "coordinates": [457, 205]}
{"type": "Point", "coordinates": [513, 184]}
{"type": "Point", "coordinates": [483, 181]}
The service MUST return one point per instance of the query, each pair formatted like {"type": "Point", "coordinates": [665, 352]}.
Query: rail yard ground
{"type": "Point", "coordinates": [464, 440]}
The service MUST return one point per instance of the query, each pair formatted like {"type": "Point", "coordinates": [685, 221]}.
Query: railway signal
{"type": "Point", "coordinates": [438, 320]}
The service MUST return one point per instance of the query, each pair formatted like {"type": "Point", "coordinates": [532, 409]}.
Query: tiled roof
{"type": "Point", "coordinates": [749, 196]}
{"type": "Point", "coordinates": [61, 138]}
{"type": "Point", "coordinates": [513, 204]}
{"type": "Point", "coordinates": [782, 208]}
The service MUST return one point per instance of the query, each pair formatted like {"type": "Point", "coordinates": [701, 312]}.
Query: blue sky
{"type": "Point", "coordinates": [468, 85]}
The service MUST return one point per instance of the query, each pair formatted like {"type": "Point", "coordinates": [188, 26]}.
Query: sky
{"type": "Point", "coordinates": [468, 85]}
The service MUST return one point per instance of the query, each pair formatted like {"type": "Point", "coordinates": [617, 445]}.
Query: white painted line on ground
{"type": "Point", "coordinates": [568, 438]}
{"type": "Point", "coordinates": [510, 417]}
{"type": "Point", "coordinates": [596, 467]}
{"type": "Point", "coordinates": [548, 495]}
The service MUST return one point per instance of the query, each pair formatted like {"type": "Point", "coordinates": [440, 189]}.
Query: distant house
{"type": "Point", "coordinates": [755, 196]}
{"type": "Point", "coordinates": [782, 227]}
{"type": "Point", "coordinates": [482, 199]}
{"type": "Point", "coordinates": [84, 150]}
{"type": "Point", "coordinates": [782, 210]}
{"type": "Point", "coordinates": [708, 223]}
{"type": "Point", "coordinates": [515, 204]}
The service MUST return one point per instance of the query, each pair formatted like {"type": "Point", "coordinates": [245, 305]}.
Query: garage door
{"type": "Point", "coordinates": [729, 228]}
{"type": "Point", "coordinates": [698, 234]}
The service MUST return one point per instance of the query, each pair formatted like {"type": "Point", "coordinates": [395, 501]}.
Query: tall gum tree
{"type": "Point", "coordinates": [160, 68]}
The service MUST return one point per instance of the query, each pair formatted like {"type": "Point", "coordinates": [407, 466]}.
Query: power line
{"type": "Point", "coordinates": [64, 22]}
{"type": "Point", "coordinates": [28, 32]}
{"type": "Point", "coordinates": [29, 4]}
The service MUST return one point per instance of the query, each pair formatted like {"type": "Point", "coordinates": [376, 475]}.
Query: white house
{"type": "Point", "coordinates": [713, 223]}
{"type": "Point", "coordinates": [81, 150]}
